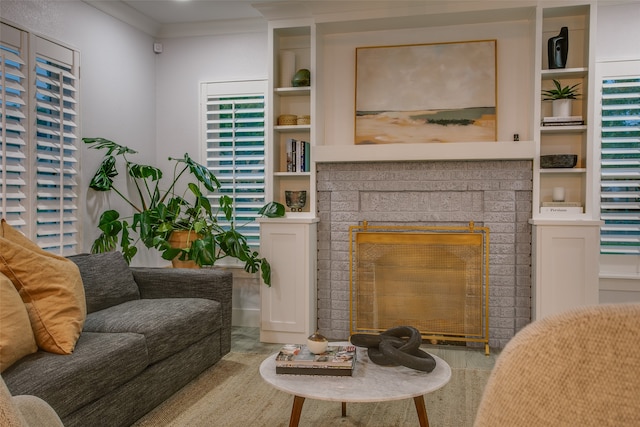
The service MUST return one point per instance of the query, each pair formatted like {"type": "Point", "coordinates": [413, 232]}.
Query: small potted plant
{"type": "Point", "coordinates": [160, 214]}
{"type": "Point", "coordinates": [561, 97]}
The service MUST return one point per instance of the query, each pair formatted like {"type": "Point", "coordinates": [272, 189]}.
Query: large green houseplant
{"type": "Point", "coordinates": [159, 212]}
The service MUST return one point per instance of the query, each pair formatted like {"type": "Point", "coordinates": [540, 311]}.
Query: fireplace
{"type": "Point", "coordinates": [495, 194]}
{"type": "Point", "coordinates": [435, 279]}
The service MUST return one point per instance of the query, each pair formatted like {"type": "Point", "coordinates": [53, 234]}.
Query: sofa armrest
{"type": "Point", "coordinates": [209, 283]}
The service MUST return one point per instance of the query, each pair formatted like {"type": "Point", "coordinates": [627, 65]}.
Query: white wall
{"type": "Point", "coordinates": [618, 32]}
{"type": "Point", "coordinates": [183, 65]}
{"type": "Point", "coordinates": [117, 83]}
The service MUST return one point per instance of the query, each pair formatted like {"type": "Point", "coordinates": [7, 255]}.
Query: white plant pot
{"type": "Point", "coordinates": [561, 107]}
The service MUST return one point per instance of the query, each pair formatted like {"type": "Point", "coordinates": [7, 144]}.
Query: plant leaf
{"type": "Point", "coordinates": [266, 272]}
{"type": "Point", "coordinates": [110, 146]}
{"type": "Point", "coordinates": [202, 174]}
{"type": "Point", "coordinates": [144, 171]}
{"type": "Point", "coordinates": [102, 180]}
{"type": "Point", "coordinates": [226, 205]}
{"type": "Point", "coordinates": [203, 251]}
{"type": "Point", "coordinates": [272, 210]}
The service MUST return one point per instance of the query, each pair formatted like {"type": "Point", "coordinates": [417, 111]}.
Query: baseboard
{"type": "Point", "coordinates": [245, 317]}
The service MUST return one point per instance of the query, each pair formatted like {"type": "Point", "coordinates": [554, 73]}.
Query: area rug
{"type": "Point", "coordinates": [232, 393]}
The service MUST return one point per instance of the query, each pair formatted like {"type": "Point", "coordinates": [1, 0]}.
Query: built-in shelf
{"type": "Point", "coordinates": [292, 174]}
{"type": "Point", "coordinates": [563, 129]}
{"type": "Point", "coordinates": [564, 73]}
{"type": "Point", "coordinates": [292, 128]}
{"type": "Point", "coordinates": [564, 170]}
{"type": "Point", "coordinates": [292, 91]}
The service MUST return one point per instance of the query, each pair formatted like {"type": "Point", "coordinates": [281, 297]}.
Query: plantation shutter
{"type": "Point", "coordinates": [235, 149]}
{"type": "Point", "coordinates": [39, 139]}
{"type": "Point", "coordinates": [13, 122]}
{"type": "Point", "coordinates": [620, 166]}
{"type": "Point", "coordinates": [56, 147]}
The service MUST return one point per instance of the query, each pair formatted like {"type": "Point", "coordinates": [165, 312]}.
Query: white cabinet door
{"type": "Point", "coordinates": [288, 307]}
{"type": "Point", "coordinates": [565, 266]}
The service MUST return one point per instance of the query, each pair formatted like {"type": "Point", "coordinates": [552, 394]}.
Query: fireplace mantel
{"type": "Point", "coordinates": [516, 150]}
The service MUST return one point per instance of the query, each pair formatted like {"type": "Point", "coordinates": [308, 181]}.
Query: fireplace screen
{"type": "Point", "coordinates": [433, 278]}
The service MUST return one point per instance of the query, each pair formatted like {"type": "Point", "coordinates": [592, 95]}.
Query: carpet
{"type": "Point", "coordinates": [232, 393]}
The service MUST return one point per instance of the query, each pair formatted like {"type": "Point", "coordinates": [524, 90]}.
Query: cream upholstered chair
{"type": "Point", "coordinates": [25, 411]}
{"type": "Point", "coordinates": [580, 368]}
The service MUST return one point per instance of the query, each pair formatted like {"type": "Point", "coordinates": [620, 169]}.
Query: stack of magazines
{"type": "Point", "coordinates": [562, 121]}
{"type": "Point", "coordinates": [297, 359]}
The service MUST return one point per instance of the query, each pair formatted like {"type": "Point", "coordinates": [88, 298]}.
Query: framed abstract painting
{"type": "Point", "coordinates": [426, 93]}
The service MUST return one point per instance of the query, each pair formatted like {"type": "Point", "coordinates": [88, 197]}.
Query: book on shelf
{"type": "Point", "coordinates": [563, 121]}
{"type": "Point", "coordinates": [297, 359]}
{"type": "Point", "coordinates": [298, 155]}
{"type": "Point", "coordinates": [562, 209]}
{"type": "Point", "coordinates": [290, 157]}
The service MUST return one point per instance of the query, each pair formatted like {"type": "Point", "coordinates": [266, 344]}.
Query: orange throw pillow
{"type": "Point", "coordinates": [16, 336]}
{"type": "Point", "coordinates": [50, 287]}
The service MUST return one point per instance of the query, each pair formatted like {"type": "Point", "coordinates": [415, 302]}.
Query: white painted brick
{"type": "Point", "coordinates": [493, 193]}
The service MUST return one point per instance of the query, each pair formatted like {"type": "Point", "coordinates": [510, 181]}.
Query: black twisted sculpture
{"type": "Point", "coordinates": [396, 346]}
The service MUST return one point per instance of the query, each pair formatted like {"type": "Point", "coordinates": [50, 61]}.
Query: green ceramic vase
{"type": "Point", "coordinates": [301, 78]}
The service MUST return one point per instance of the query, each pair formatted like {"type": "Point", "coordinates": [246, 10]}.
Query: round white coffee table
{"type": "Point", "coordinates": [369, 383]}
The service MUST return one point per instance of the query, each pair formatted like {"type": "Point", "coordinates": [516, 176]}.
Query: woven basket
{"type": "Point", "coordinates": [304, 120]}
{"type": "Point", "coordinates": [287, 119]}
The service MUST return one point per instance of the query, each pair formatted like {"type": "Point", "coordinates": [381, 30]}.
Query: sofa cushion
{"type": "Point", "coordinates": [100, 364]}
{"type": "Point", "coordinates": [107, 279]}
{"type": "Point", "coordinates": [169, 325]}
{"type": "Point", "coordinates": [16, 336]}
{"type": "Point", "coordinates": [50, 287]}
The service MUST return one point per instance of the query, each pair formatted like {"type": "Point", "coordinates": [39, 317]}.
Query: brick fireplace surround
{"type": "Point", "coordinates": [495, 194]}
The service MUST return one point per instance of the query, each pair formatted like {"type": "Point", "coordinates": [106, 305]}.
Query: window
{"type": "Point", "coordinates": [38, 156]}
{"type": "Point", "coordinates": [234, 134]}
{"type": "Point", "coordinates": [620, 163]}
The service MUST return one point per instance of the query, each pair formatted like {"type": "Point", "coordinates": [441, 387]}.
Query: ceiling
{"type": "Point", "coordinates": [190, 11]}
{"type": "Point", "coordinates": [172, 12]}
{"type": "Point", "coordinates": [179, 18]}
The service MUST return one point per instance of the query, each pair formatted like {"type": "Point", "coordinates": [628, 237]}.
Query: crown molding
{"type": "Point", "coordinates": [131, 16]}
{"type": "Point", "coordinates": [211, 28]}
{"type": "Point", "coordinates": [126, 14]}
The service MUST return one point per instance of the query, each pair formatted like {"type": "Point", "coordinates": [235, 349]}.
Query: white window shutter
{"type": "Point", "coordinates": [620, 166]}
{"type": "Point", "coordinates": [13, 123]}
{"type": "Point", "coordinates": [233, 114]}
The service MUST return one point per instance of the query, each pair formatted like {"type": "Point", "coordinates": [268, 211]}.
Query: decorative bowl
{"type": "Point", "coordinates": [295, 200]}
{"type": "Point", "coordinates": [317, 343]}
{"type": "Point", "coordinates": [551, 161]}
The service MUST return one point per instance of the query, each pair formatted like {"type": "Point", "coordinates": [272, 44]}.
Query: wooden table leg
{"type": "Point", "coordinates": [295, 411]}
{"type": "Point", "coordinates": [344, 409]}
{"type": "Point", "coordinates": [422, 411]}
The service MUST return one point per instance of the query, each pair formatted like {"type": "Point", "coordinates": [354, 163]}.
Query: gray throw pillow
{"type": "Point", "coordinates": [107, 280]}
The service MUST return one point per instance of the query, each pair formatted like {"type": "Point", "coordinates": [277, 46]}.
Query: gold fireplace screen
{"type": "Point", "coordinates": [435, 279]}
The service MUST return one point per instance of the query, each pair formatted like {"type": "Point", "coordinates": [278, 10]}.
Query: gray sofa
{"type": "Point", "coordinates": [148, 332]}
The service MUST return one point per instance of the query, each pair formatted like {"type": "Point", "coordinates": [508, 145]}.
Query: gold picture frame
{"type": "Point", "coordinates": [426, 93]}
